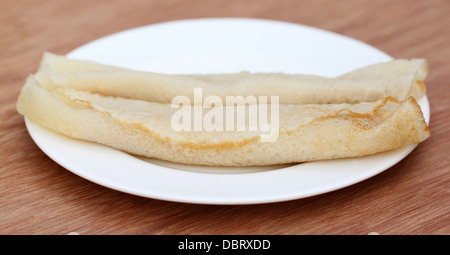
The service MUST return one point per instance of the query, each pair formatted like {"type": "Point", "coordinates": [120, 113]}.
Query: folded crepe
{"type": "Point", "coordinates": [307, 132]}
{"type": "Point", "coordinates": [399, 79]}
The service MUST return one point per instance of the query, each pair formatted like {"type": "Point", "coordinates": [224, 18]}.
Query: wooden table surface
{"type": "Point", "coordinates": [37, 196]}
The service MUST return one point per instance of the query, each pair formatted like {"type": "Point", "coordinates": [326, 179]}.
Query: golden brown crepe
{"type": "Point", "coordinates": [307, 132]}
{"type": "Point", "coordinates": [399, 79]}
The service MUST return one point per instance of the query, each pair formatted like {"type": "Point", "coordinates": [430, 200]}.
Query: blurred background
{"type": "Point", "coordinates": [401, 28]}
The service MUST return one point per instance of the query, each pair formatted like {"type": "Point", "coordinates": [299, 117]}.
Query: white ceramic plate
{"type": "Point", "coordinates": [219, 46]}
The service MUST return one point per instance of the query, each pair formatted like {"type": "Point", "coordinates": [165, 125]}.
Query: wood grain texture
{"type": "Point", "coordinates": [37, 196]}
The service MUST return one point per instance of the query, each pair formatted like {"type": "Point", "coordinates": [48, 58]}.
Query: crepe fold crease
{"type": "Point", "coordinates": [307, 132]}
